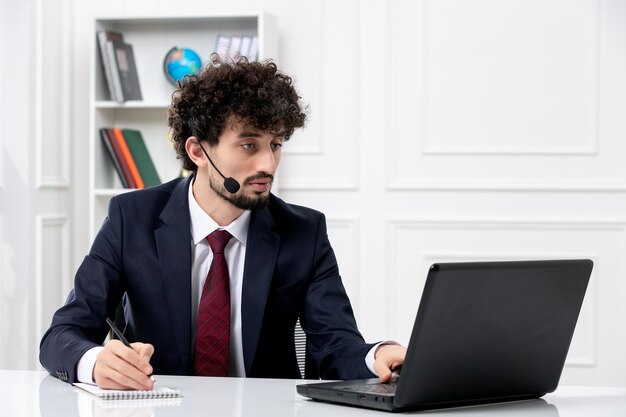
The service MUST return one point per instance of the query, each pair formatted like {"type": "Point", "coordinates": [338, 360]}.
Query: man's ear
{"type": "Point", "coordinates": [192, 146]}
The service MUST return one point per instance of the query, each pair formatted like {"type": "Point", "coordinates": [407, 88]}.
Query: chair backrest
{"type": "Point", "coordinates": [308, 370]}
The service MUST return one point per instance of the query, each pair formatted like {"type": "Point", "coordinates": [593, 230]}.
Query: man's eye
{"type": "Point", "coordinates": [247, 146]}
{"type": "Point", "coordinates": [276, 146]}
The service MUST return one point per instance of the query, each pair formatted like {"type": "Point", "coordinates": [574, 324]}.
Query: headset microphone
{"type": "Point", "coordinates": [231, 184]}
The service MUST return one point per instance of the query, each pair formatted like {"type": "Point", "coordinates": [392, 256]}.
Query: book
{"type": "Point", "coordinates": [234, 49]}
{"type": "Point", "coordinates": [245, 46]}
{"type": "Point", "coordinates": [253, 52]}
{"type": "Point", "coordinates": [132, 166]}
{"type": "Point", "coordinates": [142, 158]}
{"type": "Point", "coordinates": [159, 391]}
{"type": "Point", "coordinates": [116, 82]}
{"type": "Point", "coordinates": [127, 70]}
{"type": "Point", "coordinates": [104, 37]}
{"type": "Point", "coordinates": [221, 46]}
{"type": "Point", "coordinates": [114, 158]}
{"type": "Point", "coordinates": [120, 159]}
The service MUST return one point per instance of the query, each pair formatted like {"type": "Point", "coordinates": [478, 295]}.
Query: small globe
{"type": "Point", "coordinates": [179, 62]}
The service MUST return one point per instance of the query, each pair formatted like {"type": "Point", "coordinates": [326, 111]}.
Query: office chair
{"type": "Point", "coordinates": [308, 370]}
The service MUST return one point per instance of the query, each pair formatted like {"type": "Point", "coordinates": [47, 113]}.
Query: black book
{"type": "Point", "coordinates": [105, 139]}
{"type": "Point", "coordinates": [127, 70]}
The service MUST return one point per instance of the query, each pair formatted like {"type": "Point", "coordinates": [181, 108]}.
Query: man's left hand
{"type": "Point", "coordinates": [388, 358]}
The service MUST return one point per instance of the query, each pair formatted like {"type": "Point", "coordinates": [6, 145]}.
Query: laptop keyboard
{"type": "Point", "coordinates": [389, 388]}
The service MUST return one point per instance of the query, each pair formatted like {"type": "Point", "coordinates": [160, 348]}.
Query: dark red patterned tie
{"type": "Point", "coordinates": [213, 328]}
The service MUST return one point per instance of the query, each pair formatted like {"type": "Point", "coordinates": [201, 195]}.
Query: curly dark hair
{"type": "Point", "coordinates": [255, 93]}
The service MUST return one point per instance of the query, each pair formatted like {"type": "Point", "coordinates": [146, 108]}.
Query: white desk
{"type": "Point", "coordinates": [35, 394]}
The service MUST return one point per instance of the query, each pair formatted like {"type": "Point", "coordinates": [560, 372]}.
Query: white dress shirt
{"type": "Point", "coordinates": [203, 225]}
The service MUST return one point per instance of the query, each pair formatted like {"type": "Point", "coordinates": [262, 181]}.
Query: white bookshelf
{"type": "Point", "coordinates": [152, 37]}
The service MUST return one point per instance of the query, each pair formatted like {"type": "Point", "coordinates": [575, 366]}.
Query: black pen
{"type": "Point", "coordinates": [122, 338]}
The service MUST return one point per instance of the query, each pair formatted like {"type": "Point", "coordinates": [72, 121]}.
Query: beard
{"type": "Point", "coordinates": [242, 201]}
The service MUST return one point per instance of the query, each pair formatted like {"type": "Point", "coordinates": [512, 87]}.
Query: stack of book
{"type": "Point", "coordinates": [130, 157]}
{"type": "Point", "coordinates": [119, 67]}
{"type": "Point", "coordinates": [231, 48]}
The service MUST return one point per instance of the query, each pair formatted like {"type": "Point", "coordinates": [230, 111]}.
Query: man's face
{"type": "Point", "coordinates": [251, 157]}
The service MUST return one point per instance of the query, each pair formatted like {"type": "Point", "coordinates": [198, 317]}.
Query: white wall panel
{"type": "Point", "coordinates": [53, 91]}
{"type": "Point", "coordinates": [343, 233]}
{"type": "Point", "coordinates": [327, 147]}
{"type": "Point", "coordinates": [516, 88]}
{"type": "Point", "coordinates": [415, 244]}
{"type": "Point", "coordinates": [5, 311]}
{"type": "Point", "coordinates": [52, 274]}
{"type": "Point", "coordinates": [532, 89]}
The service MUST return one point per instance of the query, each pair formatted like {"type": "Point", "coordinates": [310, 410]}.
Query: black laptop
{"type": "Point", "coordinates": [485, 332]}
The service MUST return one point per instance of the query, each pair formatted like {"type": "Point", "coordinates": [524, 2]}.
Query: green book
{"type": "Point", "coordinates": [140, 154]}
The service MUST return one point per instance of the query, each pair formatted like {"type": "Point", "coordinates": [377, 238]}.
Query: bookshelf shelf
{"type": "Point", "coordinates": [131, 104]}
{"type": "Point", "coordinates": [151, 38]}
{"type": "Point", "coordinates": [110, 192]}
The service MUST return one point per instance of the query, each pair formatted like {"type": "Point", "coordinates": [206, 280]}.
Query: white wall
{"type": "Point", "coordinates": [35, 162]}
{"type": "Point", "coordinates": [439, 130]}
{"type": "Point", "coordinates": [13, 108]}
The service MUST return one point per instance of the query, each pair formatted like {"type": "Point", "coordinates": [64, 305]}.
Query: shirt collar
{"type": "Point", "coordinates": [203, 225]}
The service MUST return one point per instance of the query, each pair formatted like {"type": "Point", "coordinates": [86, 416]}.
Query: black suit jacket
{"type": "Point", "coordinates": [144, 250]}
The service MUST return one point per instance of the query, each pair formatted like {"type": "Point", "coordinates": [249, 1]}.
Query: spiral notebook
{"type": "Point", "coordinates": [158, 392]}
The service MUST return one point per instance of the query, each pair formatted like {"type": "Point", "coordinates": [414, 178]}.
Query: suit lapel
{"type": "Point", "coordinates": [173, 239]}
{"type": "Point", "coordinates": [261, 255]}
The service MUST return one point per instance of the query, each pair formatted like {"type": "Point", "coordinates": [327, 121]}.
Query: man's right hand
{"type": "Point", "coordinates": [118, 367]}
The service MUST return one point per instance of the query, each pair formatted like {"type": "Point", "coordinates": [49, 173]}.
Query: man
{"type": "Point", "coordinates": [194, 307]}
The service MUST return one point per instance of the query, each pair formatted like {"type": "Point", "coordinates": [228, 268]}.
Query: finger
{"type": "Point", "coordinates": [384, 376]}
{"type": "Point", "coordinates": [383, 371]}
{"type": "Point", "coordinates": [132, 356]}
{"type": "Point", "coordinates": [116, 380]}
{"type": "Point", "coordinates": [106, 383]}
{"type": "Point", "coordinates": [122, 377]}
{"type": "Point", "coordinates": [135, 367]}
{"type": "Point", "coordinates": [389, 358]}
{"type": "Point", "coordinates": [115, 363]}
{"type": "Point", "coordinates": [144, 350]}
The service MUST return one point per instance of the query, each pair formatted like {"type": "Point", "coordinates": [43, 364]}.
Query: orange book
{"type": "Point", "coordinates": [119, 157]}
{"type": "Point", "coordinates": [119, 137]}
